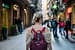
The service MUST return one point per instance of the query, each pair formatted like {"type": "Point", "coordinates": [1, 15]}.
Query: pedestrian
{"type": "Point", "coordinates": [19, 24]}
{"type": "Point", "coordinates": [49, 25]}
{"type": "Point", "coordinates": [54, 25]}
{"type": "Point", "coordinates": [67, 27]}
{"type": "Point", "coordinates": [38, 37]}
{"type": "Point", "coordinates": [61, 27]}
{"type": "Point", "coordinates": [15, 23]}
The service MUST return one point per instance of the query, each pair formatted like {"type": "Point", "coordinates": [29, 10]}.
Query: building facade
{"type": "Point", "coordinates": [12, 10]}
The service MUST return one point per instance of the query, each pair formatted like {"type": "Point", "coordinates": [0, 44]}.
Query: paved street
{"type": "Point", "coordinates": [62, 44]}
{"type": "Point", "coordinates": [18, 43]}
{"type": "Point", "coordinates": [13, 43]}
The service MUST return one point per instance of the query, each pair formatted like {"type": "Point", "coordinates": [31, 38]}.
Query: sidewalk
{"type": "Point", "coordinates": [14, 42]}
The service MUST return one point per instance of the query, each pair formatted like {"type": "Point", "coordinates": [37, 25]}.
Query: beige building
{"type": "Point", "coordinates": [46, 8]}
{"type": "Point", "coordinates": [10, 11]}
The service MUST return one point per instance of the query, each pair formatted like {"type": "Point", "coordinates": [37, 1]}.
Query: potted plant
{"type": "Point", "coordinates": [13, 30]}
{"type": "Point", "coordinates": [1, 37]}
{"type": "Point", "coordinates": [4, 32]}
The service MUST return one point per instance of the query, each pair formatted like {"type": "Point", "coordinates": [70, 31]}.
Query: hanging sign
{"type": "Point", "coordinates": [5, 6]}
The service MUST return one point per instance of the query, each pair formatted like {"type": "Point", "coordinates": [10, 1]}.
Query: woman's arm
{"type": "Point", "coordinates": [28, 36]}
{"type": "Point", "coordinates": [47, 35]}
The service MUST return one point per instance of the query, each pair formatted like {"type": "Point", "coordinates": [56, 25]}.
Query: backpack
{"type": "Point", "coordinates": [38, 42]}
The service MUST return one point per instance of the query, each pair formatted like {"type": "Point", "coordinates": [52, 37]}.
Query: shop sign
{"type": "Point", "coordinates": [5, 6]}
{"type": "Point", "coordinates": [65, 1]}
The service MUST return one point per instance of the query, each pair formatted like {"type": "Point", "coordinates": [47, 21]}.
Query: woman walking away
{"type": "Point", "coordinates": [61, 27]}
{"type": "Point", "coordinates": [38, 37]}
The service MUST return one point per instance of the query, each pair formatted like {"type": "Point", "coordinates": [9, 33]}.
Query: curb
{"type": "Point", "coordinates": [71, 39]}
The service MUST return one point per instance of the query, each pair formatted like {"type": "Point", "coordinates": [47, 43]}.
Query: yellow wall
{"type": "Point", "coordinates": [5, 17]}
{"type": "Point", "coordinates": [73, 14]}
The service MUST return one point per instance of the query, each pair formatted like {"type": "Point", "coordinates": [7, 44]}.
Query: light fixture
{"type": "Point", "coordinates": [15, 7]}
{"type": "Point", "coordinates": [3, 4]}
{"type": "Point", "coordinates": [24, 10]}
{"type": "Point", "coordinates": [32, 5]}
{"type": "Point", "coordinates": [69, 10]}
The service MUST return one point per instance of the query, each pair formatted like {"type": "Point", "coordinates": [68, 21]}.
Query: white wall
{"type": "Point", "coordinates": [44, 9]}
{"type": "Point", "coordinates": [39, 5]}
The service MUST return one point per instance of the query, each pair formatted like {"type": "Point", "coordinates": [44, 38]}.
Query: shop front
{"type": "Point", "coordinates": [27, 17]}
{"type": "Point", "coordinates": [73, 19]}
{"type": "Point", "coordinates": [70, 14]}
{"type": "Point", "coordinates": [0, 19]}
{"type": "Point", "coordinates": [5, 17]}
{"type": "Point", "coordinates": [15, 18]}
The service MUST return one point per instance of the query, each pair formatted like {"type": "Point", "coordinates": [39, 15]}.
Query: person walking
{"type": "Point", "coordinates": [49, 25]}
{"type": "Point", "coordinates": [38, 37]}
{"type": "Point", "coordinates": [61, 27]}
{"type": "Point", "coordinates": [67, 27]}
{"type": "Point", "coordinates": [54, 25]}
{"type": "Point", "coordinates": [19, 25]}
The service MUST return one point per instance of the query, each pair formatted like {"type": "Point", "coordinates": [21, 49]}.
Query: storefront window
{"type": "Point", "coordinates": [5, 6]}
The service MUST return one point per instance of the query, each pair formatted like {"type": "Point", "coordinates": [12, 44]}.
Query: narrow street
{"type": "Point", "coordinates": [17, 15]}
{"type": "Point", "coordinates": [18, 43]}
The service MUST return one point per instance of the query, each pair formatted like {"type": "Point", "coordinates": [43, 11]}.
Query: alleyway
{"type": "Point", "coordinates": [16, 15]}
{"type": "Point", "coordinates": [18, 43]}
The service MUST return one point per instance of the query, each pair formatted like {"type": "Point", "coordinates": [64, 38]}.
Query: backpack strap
{"type": "Point", "coordinates": [33, 30]}
{"type": "Point", "coordinates": [43, 29]}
